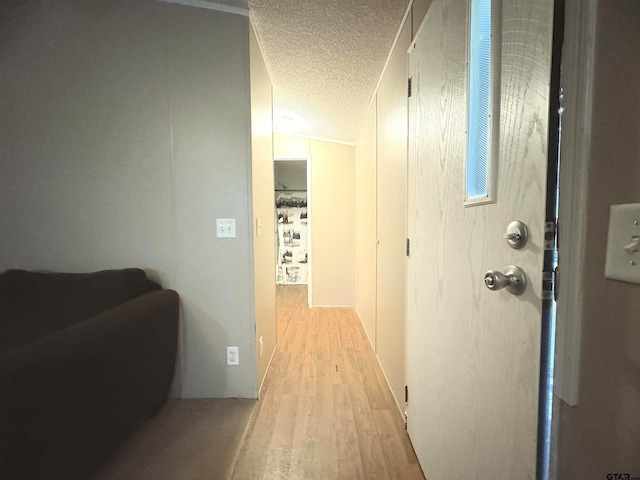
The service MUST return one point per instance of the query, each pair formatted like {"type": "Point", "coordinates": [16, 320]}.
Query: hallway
{"type": "Point", "coordinates": [326, 410]}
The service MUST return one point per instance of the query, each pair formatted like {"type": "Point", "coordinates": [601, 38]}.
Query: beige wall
{"type": "Point", "coordinates": [263, 207]}
{"type": "Point", "coordinates": [125, 134]}
{"type": "Point", "coordinates": [381, 213]}
{"type": "Point", "coordinates": [331, 214]}
{"type": "Point", "coordinates": [332, 223]}
{"type": "Point", "coordinates": [601, 434]}
{"type": "Point", "coordinates": [290, 146]}
{"type": "Point", "coordinates": [365, 208]}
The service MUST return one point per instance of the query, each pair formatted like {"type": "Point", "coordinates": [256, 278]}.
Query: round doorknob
{"type": "Point", "coordinates": [514, 280]}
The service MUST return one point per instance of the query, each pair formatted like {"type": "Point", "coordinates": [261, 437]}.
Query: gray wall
{"type": "Point", "coordinates": [124, 134]}
{"type": "Point", "coordinates": [601, 434]}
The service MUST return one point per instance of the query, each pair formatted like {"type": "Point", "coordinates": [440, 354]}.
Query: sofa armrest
{"type": "Point", "coordinates": [69, 398]}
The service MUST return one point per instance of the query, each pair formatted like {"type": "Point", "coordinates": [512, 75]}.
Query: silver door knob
{"type": "Point", "coordinates": [514, 280]}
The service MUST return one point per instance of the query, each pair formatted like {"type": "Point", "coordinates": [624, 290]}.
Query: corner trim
{"type": "Point", "coordinates": [210, 6]}
{"type": "Point", "coordinates": [407, 16]}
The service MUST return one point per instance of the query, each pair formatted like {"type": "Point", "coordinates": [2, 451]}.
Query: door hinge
{"type": "Point", "coordinates": [550, 235]}
{"type": "Point", "coordinates": [409, 87]}
{"type": "Point", "coordinates": [408, 247]}
{"type": "Point", "coordinates": [406, 394]}
{"type": "Point", "coordinates": [550, 285]}
{"type": "Point", "coordinates": [547, 285]}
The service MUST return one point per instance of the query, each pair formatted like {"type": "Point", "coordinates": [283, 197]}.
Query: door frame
{"type": "Point", "coordinates": [307, 159]}
{"type": "Point", "coordinates": [546, 431]}
{"type": "Point", "coordinates": [577, 81]}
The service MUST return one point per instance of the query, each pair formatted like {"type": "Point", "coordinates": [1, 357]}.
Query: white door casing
{"type": "Point", "coordinates": [473, 355]}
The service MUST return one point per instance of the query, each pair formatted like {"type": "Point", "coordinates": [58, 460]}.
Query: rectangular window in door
{"type": "Point", "coordinates": [483, 94]}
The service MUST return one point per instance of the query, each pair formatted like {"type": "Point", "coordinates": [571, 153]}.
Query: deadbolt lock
{"type": "Point", "coordinates": [517, 235]}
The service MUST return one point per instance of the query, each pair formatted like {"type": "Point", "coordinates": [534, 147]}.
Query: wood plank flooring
{"type": "Point", "coordinates": [326, 411]}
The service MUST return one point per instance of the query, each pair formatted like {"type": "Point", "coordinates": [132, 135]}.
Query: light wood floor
{"type": "Point", "coordinates": [326, 411]}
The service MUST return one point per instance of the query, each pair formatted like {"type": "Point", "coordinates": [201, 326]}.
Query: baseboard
{"type": "Point", "coordinates": [400, 406]}
{"type": "Point", "coordinates": [332, 306]}
{"type": "Point", "coordinates": [373, 347]}
{"type": "Point", "coordinates": [266, 372]}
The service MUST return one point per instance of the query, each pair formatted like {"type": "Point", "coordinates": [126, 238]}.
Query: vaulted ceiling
{"type": "Point", "coordinates": [324, 58]}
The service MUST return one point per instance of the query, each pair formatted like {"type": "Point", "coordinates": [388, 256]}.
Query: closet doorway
{"type": "Point", "coordinates": [293, 224]}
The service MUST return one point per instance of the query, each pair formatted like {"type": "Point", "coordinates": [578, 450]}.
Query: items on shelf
{"type": "Point", "coordinates": [293, 224]}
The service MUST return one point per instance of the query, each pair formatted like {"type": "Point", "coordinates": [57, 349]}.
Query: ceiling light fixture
{"type": "Point", "coordinates": [288, 122]}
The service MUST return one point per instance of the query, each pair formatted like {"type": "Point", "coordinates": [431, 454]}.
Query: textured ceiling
{"type": "Point", "coordinates": [325, 58]}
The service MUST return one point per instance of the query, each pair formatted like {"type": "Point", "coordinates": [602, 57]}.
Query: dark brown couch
{"type": "Point", "coordinates": [84, 359]}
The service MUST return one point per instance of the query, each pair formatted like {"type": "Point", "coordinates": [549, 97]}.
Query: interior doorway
{"type": "Point", "coordinates": [292, 227]}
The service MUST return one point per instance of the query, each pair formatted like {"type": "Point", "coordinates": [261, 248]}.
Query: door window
{"type": "Point", "coordinates": [481, 133]}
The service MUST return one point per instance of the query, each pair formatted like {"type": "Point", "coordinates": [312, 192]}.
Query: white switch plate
{"type": "Point", "coordinates": [624, 225]}
{"type": "Point", "coordinates": [225, 227]}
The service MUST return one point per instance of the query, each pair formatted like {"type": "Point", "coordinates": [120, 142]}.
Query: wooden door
{"type": "Point", "coordinates": [473, 355]}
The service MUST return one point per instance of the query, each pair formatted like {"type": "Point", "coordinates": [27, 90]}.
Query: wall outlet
{"type": "Point", "coordinates": [233, 357]}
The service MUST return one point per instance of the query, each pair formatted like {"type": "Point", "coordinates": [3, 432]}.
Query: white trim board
{"type": "Point", "coordinates": [332, 306]}
{"type": "Point", "coordinates": [577, 82]}
{"type": "Point", "coordinates": [266, 372]}
{"type": "Point", "coordinates": [264, 56]}
{"type": "Point", "coordinates": [309, 137]}
{"type": "Point", "coordinates": [210, 6]}
{"type": "Point", "coordinates": [407, 13]}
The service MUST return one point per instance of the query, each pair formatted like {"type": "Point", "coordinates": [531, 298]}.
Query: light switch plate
{"type": "Point", "coordinates": [225, 227]}
{"type": "Point", "coordinates": [623, 247]}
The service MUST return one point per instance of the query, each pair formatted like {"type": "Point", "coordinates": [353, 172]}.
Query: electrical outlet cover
{"type": "Point", "coordinates": [232, 356]}
{"type": "Point", "coordinates": [623, 244]}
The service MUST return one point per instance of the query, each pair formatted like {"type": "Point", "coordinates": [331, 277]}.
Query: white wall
{"type": "Point", "coordinates": [365, 214]}
{"type": "Point", "coordinates": [392, 135]}
{"type": "Point", "coordinates": [124, 135]}
{"type": "Point", "coordinates": [381, 215]}
{"type": "Point", "coordinates": [331, 216]}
